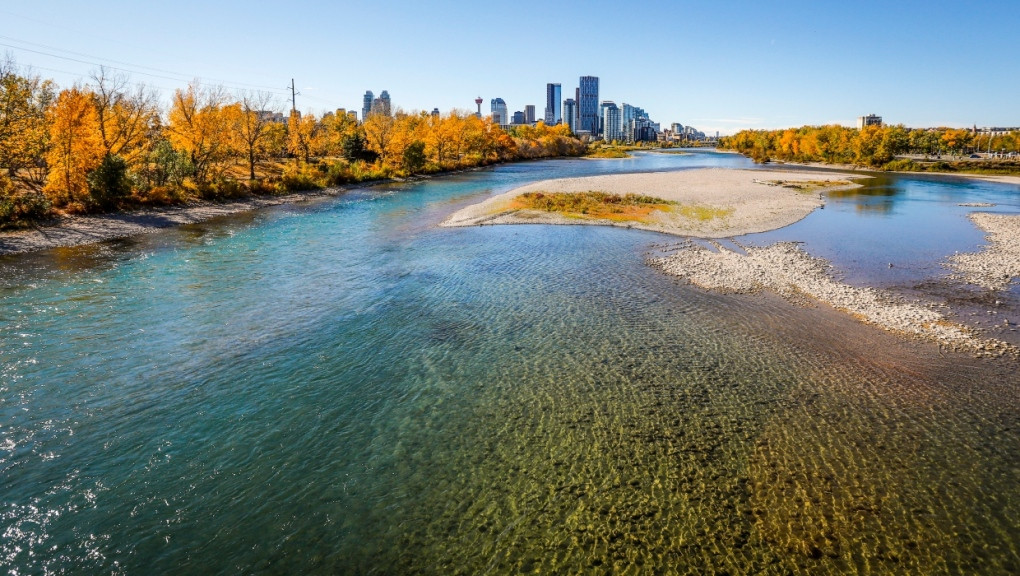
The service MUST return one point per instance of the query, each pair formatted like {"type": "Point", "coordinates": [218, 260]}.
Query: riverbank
{"type": "Point", "coordinates": [999, 178]}
{"type": "Point", "coordinates": [79, 230]}
{"type": "Point", "coordinates": [708, 202]}
{"type": "Point", "coordinates": [787, 270]}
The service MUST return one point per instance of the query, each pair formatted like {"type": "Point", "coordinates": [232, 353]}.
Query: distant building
{"type": "Point", "coordinates": [588, 104]}
{"type": "Point", "coordinates": [612, 128]}
{"type": "Point", "coordinates": [499, 113]}
{"type": "Point", "coordinates": [633, 118]}
{"type": "Point", "coordinates": [553, 97]}
{"type": "Point", "coordinates": [435, 112]}
{"type": "Point", "coordinates": [570, 114]}
{"type": "Point", "coordinates": [519, 118]}
{"type": "Point", "coordinates": [366, 107]}
{"type": "Point", "coordinates": [529, 113]}
{"type": "Point", "coordinates": [272, 116]}
{"type": "Point", "coordinates": [380, 105]}
{"type": "Point", "coordinates": [869, 120]}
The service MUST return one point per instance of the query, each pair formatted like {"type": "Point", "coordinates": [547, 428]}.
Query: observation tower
{"type": "Point", "coordinates": [478, 102]}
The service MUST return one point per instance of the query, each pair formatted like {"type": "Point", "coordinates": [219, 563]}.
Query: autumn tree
{"type": "Point", "coordinates": [127, 116]}
{"type": "Point", "coordinates": [378, 133]}
{"type": "Point", "coordinates": [199, 127]}
{"type": "Point", "coordinates": [24, 134]}
{"type": "Point", "coordinates": [303, 135]}
{"type": "Point", "coordinates": [76, 146]}
{"type": "Point", "coordinates": [258, 136]}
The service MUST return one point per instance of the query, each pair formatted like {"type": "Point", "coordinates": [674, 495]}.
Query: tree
{"type": "Point", "coordinates": [126, 118]}
{"type": "Point", "coordinates": [253, 128]}
{"type": "Point", "coordinates": [108, 183]}
{"type": "Point", "coordinates": [76, 147]}
{"type": "Point", "coordinates": [24, 133]}
{"type": "Point", "coordinates": [378, 133]}
{"type": "Point", "coordinates": [302, 135]}
{"type": "Point", "coordinates": [414, 157]}
{"type": "Point", "coordinates": [200, 128]}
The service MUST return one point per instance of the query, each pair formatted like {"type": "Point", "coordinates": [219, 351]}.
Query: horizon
{"type": "Point", "coordinates": [703, 68]}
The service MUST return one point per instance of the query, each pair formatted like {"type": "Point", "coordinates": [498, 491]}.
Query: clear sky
{"type": "Point", "coordinates": [716, 65]}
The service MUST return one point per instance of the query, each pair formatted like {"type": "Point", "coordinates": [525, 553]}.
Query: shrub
{"type": "Point", "coordinates": [109, 183]}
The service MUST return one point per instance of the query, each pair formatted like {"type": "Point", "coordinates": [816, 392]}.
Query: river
{"type": "Point", "coordinates": [343, 387]}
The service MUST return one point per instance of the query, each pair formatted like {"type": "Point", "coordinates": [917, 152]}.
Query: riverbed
{"type": "Point", "coordinates": [343, 386]}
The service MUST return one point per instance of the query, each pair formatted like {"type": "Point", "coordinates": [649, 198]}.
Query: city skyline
{"type": "Point", "coordinates": [748, 66]}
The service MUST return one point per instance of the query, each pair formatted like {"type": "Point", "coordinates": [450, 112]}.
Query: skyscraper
{"type": "Point", "coordinates": [570, 114]}
{"type": "Point", "coordinates": [611, 125]}
{"type": "Point", "coordinates": [552, 104]}
{"type": "Point", "coordinates": [366, 106]}
{"type": "Point", "coordinates": [499, 113]}
{"type": "Point", "coordinates": [529, 113]}
{"type": "Point", "coordinates": [588, 104]}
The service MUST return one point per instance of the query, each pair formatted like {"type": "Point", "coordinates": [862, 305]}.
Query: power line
{"type": "Point", "coordinates": [181, 78]}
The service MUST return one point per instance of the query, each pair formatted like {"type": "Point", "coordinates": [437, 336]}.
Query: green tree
{"type": "Point", "coordinates": [414, 157]}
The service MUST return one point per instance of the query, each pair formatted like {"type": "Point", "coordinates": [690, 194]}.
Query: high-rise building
{"type": "Point", "coordinates": [500, 116]}
{"type": "Point", "coordinates": [611, 126]}
{"type": "Point", "coordinates": [529, 113]}
{"type": "Point", "coordinates": [367, 104]}
{"type": "Point", "coordinates": [384, 102]}
{"type": "Point", "coordinates": [588, 104]}
{"type": "Point", "coordinates": [519, 118]}
{"type": "Point", "coordinates": [553, 95]}
{"type": "Point", "coordinates": [631, 116]}
{"type": "Point", "coordinates": [570, 114]}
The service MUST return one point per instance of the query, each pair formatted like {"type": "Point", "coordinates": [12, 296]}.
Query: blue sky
{"type": "Point", "coordinates": [714, 65]}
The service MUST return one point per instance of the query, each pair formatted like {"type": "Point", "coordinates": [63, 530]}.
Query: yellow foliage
{"type": "Point", "coordinates": [76, 146]}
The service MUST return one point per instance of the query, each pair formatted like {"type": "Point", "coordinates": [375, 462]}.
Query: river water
{"type": "Point", "coordinates": [342, 387]}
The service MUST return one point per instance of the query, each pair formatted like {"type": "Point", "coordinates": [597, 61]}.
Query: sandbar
{"type": "Point", "coordinates": [752, 200]}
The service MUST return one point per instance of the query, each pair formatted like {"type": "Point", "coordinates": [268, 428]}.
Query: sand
{"type": "Point", "coordinates": [752, 203]}
{"type": "Point", "coordinates": [782, 268]}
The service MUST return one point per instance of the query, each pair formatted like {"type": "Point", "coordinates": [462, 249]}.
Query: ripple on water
{"type": "Point", "coordinates": [341, 391]}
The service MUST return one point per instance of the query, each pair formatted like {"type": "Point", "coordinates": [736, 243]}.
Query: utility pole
{"type": "Point", "coordinates": [293, 97]}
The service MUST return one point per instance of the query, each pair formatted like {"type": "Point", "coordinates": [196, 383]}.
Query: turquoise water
{"type": "Point", "coordinates": [343, 387]}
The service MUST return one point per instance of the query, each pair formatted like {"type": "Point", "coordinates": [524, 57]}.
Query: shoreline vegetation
{"type": "Point", "coordinates": [110, 147]}
{"type": "Point", "coordinates": [884, 148]}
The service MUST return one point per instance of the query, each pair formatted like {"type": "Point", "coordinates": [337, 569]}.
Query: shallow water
{"type": "Point", "coordinates": [343, 387]}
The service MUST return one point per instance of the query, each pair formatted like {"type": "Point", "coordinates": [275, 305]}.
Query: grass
{"type": "Point", "coordinates": [807, 185]}
{"type": "Point", "coordinates": [703, 213]}
{"type": "Point", "coordinates": [593, 205]}
{"type": "Point", "coordinates": [607, 153]}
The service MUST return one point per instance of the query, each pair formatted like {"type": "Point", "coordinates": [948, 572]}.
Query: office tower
{"type": "Point", "coordinates": [529, 113]}
{"type": "Point", "coordinates": [611, 127]}
{"type": "Point", "coordinates": [499, 113]}
{"type": "Point", "coordinates": [588, 104]}
{"type": "Point", "coordinates": [552, 104]}
{"type": "Point", "coordinates": [384, 100]}
{"type": "Point", "coordinates": [366, 107]}
{"type": "Point", "coordinates": [570, 114]}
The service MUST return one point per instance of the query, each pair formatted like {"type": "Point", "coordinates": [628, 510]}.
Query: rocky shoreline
{"type": "Point", "coordinates": [789, 271]}
{"type": "Point", "coordinates": [79, 230]}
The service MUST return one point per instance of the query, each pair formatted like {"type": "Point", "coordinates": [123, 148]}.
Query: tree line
{"type": "Point", "coordinates": [109, 144]}
{"type": "Point", "coordinates": [871, 146]}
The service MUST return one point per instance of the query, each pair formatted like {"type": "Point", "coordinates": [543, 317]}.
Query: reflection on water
{"type": "Point", "coordinates": [345, 388]}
